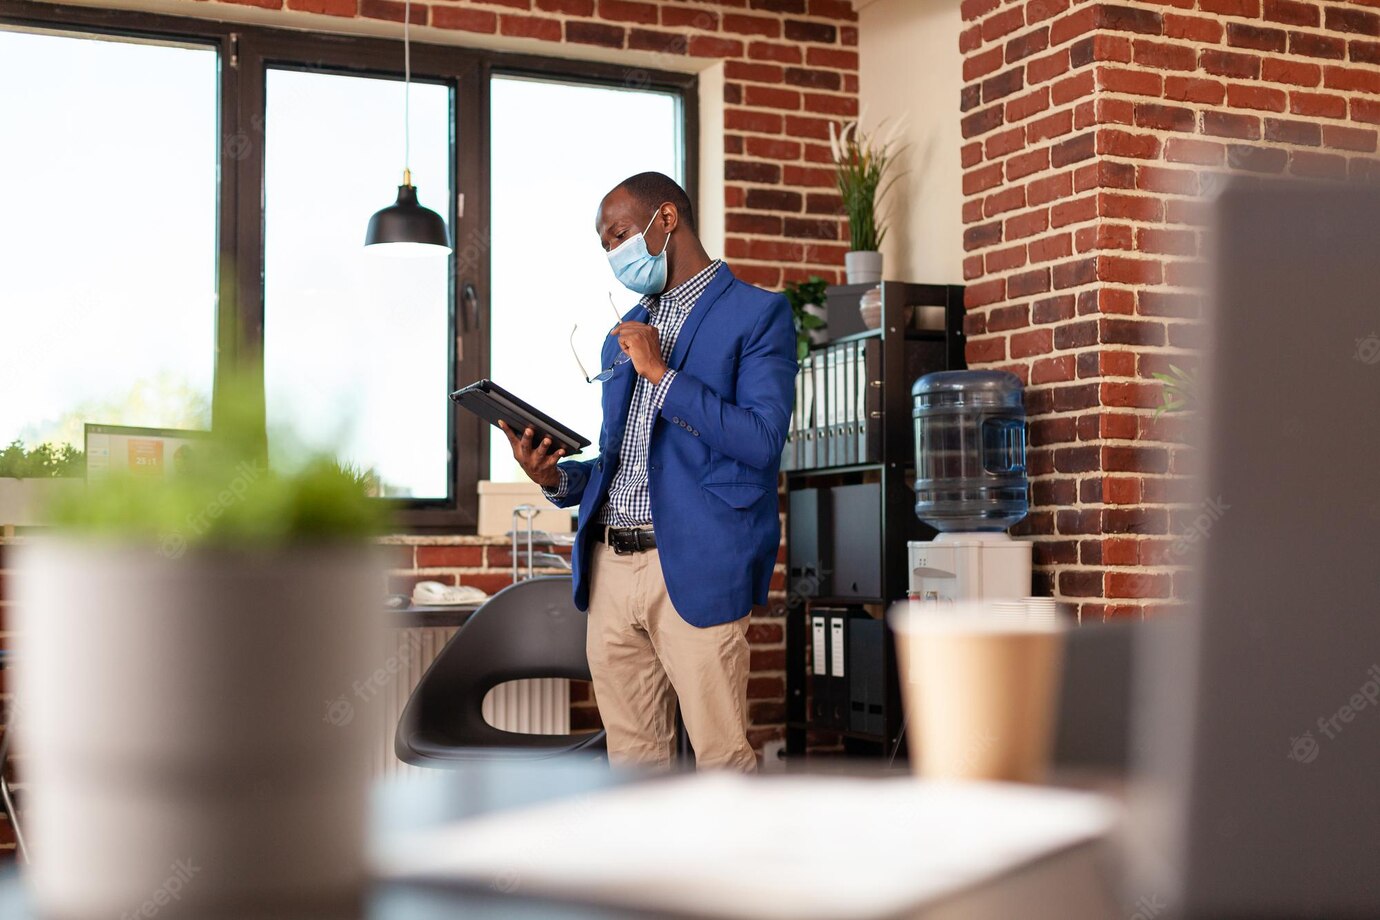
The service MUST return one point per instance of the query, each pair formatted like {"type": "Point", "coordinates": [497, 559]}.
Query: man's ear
{"type": "Point", "coordinates": [669, 217]}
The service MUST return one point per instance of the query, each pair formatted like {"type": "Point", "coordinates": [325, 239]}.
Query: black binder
{"type": "Point", "coordinates": [829, 693]}
{"type": "Point", "coordinates": [809, 532]}
{"type": "Point", "coordinates": [867, 675]}
{"type": "Point", "coordinates": [855, 540]}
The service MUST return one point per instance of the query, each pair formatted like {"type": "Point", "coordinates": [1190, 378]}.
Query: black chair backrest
{"type": "Point", "coordinates": [531, 629]}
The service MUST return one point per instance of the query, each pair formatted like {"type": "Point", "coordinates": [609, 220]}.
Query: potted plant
{"type": "Point", "coordinates": [807, 299]}
{"type": "Point", "coordinates": [1179, 391]}
{"type": "Point", "coordinates": [187, 651]}
{"type": "Point", "coordinates": [861, 167]}
{"type": "Point", "coordinates": [30, 477]}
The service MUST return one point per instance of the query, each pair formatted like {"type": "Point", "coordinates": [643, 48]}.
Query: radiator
{"type": "Point", "coordinates": [530, 706]}
{"type": "Point", "coordinates": [533, 707]}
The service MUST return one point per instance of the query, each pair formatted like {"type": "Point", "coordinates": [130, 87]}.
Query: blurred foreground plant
{"type": "Point", "coordinates": [225, 494]}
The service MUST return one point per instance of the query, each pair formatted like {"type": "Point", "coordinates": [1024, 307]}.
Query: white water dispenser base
{"type": "Point", "coordinates": [969, 566]}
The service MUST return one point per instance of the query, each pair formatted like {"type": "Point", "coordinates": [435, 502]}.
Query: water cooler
{"type": "Point", "coordinates": [970, 485]}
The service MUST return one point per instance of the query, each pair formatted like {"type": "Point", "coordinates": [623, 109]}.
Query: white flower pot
{"type": "Point", "coordinates": [863, 267]}
{"type": "Point", "coordinates": [182, 726]}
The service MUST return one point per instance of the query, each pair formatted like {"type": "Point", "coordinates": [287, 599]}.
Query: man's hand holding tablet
{"type": "Point", "coordinates": [538, 461]}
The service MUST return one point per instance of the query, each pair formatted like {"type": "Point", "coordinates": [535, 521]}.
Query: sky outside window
{"type": "Point", "coordinates": [108, 154]}
{"type": "Point", "coordinates": [557, 148]}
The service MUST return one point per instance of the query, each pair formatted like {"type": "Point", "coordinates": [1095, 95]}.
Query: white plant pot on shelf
{"type": "Point", "coordinates": [197, 718]}
{"type": "Point", "coordinates": [863, 266]}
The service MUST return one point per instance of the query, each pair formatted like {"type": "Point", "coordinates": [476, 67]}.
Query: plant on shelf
{"type": "Point", "coordinates": [45, 461]}
{"type": "Point", "coordinates": [307, 496]}
{"type": "Point", "coordinates": [802, 296]}
{"type": "Point", "coordinates": [862, 168]}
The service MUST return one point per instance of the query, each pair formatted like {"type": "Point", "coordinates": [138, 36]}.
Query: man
{"type": "Point", "coordinates": [678, 524]}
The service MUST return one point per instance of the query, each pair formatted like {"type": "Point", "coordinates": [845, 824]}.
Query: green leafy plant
{"type": "Point", "coordinates": [1180, 390]}
{"type": "Point", "coordinates": [801, 294]}
{"type": "Point", "coordinates": [45, 461]}
{"type": "Point", "coordinates": [226, 494]}
{"type": "Point", "coordinates": [861, 165]}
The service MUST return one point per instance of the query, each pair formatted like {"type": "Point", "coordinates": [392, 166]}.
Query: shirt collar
{"type": "Point", "coordinates": [684, 295]}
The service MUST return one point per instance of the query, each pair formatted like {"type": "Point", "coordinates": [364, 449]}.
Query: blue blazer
{"type": "Point", "coordinates": [714, 454]}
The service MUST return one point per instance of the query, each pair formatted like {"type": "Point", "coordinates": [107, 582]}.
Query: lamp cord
{"type": "Point", "coordinates": [407, 92]}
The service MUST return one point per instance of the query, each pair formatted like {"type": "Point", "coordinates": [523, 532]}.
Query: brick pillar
{"type": "Point", "coordinates": [1092, 130]}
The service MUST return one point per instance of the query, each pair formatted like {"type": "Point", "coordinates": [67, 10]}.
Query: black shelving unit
{"type": "Point", "coordinates": [906, 353]}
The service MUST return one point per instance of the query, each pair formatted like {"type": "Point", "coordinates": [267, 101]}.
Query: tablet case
{"type": "Point", "coordinates": [492, 403]}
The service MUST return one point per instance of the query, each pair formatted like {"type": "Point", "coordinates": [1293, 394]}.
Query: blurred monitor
{"type": "Point", "coordinates": [154, 452]}
{"type": "Point", "coordinates": [1261, 705]}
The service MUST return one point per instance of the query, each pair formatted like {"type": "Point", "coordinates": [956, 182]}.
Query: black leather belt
{"type": "Point", "coordinates": [625, 540]}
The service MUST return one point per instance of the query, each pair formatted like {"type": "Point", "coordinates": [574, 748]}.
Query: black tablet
{"type": "Point", "coordinates": [493, 404]}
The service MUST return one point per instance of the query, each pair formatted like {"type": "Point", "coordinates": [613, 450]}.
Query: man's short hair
{"type": "Point", "coordinates": [652, 189]}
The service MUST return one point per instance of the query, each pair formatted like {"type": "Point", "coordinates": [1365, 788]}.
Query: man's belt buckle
{"type": "Point", "coordinates": [622, 548]}
{"type": "Point", "coordinates": [623, 542]}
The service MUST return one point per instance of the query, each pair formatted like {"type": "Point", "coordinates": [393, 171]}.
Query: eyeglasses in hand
{"type": "Point", "coordinates": [607, 372]}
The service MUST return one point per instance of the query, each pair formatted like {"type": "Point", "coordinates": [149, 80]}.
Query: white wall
{"type": "Point", "coordinates": [710, 212]}
{"type": "Point", "coordinates": [911, 72]}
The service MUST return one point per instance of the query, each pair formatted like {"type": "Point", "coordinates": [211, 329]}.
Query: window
{"type": "Point", "coordinates": [191, 200]}
{"type": "Point", "coordinates": [356, 345]}
{"type": "Point", "coordinates": [108, 187]}
{"type": "Point", "coordinates": [556, 149]}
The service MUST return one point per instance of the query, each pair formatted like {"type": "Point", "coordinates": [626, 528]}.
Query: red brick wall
{"type": "Point", "coordinates": [1092, 131]}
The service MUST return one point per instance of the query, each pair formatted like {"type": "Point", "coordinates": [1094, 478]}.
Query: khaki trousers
{"type": "Point", "coordinates": [643, 656]}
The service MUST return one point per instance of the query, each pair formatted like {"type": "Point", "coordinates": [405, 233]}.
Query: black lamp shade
{"type": "Point", "coordinates": [407, 222]}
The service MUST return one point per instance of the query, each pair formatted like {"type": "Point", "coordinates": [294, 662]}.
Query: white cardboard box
{"type": "Point", "coordinates": [498, 499]}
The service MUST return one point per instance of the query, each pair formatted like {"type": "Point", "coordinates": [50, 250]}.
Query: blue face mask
{"type": "Point", "coordinates": [637, 269]}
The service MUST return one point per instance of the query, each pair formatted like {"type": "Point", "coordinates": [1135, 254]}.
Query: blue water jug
{"type": "Point", "coordinates": [969, 450]}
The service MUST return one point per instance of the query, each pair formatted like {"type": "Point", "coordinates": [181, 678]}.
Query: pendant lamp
{"type": "Point", "coordinates": [405, 227]}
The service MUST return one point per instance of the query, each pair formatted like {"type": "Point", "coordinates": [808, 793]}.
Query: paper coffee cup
{"type": "Point", "coordinates": [979, 689]}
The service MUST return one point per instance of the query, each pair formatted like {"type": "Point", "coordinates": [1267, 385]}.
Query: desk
{"type": "Point", "coordinates": [1073, 885]}
{"type": "Point", "coordinates": [414, 616]}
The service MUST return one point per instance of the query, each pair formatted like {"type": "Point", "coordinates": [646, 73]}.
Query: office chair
{"type": "Point", "coordinates": [528, 630]}
{"type": "Point", "coordinates": [6, 797]}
